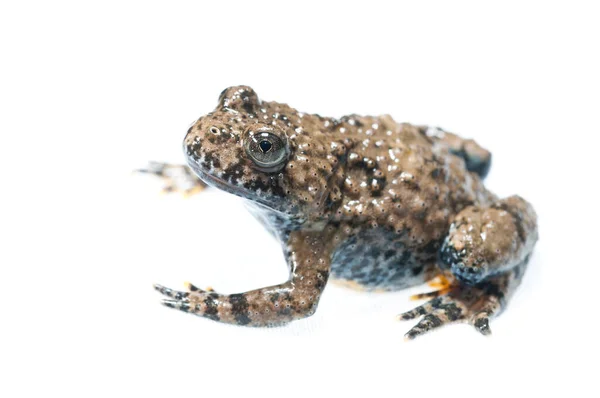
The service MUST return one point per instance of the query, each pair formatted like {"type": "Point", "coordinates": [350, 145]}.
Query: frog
{"type": "Point", "coordinates": [365, 201]}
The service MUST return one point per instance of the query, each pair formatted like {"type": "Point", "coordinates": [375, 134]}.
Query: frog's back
{"type": "Point", "coordinates": [396, 175]}
{"type": "Point", "coordinates": [400, 189]}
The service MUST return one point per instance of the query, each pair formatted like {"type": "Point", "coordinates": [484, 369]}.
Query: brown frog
{"type": "Point", "coordinates": [365, 200]}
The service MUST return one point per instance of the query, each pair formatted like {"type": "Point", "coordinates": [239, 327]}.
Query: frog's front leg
{"type": "Point", "coordinates": [309, 256]}
{"type": "Point", "coordinates": [176, 177]}
{"type": "Point", "coordinates": [486, 250]}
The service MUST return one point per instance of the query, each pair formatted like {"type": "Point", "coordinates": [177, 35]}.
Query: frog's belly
{"type": "Point", "coordinates": [382, 260]}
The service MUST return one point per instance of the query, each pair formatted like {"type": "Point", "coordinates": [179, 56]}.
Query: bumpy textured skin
{"type": "Point", "coordinates": [376, 204]}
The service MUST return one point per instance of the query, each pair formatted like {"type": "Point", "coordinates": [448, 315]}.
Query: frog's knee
{"type": "Point", "coordinates": [465, 263]}
{"type": "Point", "coordinates": [485, 241]}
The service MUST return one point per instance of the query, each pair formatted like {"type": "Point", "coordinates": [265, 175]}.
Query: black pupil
{"type": "Point", "coordinates": [265, 146]}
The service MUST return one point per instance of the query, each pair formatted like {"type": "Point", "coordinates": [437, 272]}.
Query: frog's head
{"type": "Point", "coordinates": [265, 152]}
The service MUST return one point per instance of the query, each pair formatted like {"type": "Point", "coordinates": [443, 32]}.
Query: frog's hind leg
{"type": "Point", "coordinates": [477, 158]}
{"type": "Point", "coordinates": [176, 178]}
{"type": "Point", "coordinates": [487, 251]}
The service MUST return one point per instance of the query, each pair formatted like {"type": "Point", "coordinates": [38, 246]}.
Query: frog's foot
{"type": "Point", "coordinates": [461, 303]}
{"type": "Point", "coordinates": [194, 300]}
{"type": "Point", "coordinates": [176, 178]}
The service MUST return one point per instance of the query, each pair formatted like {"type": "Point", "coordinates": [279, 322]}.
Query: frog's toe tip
{"type": "Point", "coordinates": [175, 294]}
{"type": "Point", "coordinates": [404, 317]}
{"type": "Point", "coordinates": [410, 336]}
{"type": "Point", "coordinates": [169, 303]}
{"type": "Point", "coordinates": [177, 304]}
{"type": "Point", "coordinates": [483, 326]}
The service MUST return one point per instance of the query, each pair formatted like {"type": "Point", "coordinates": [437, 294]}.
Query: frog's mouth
{"type": "Point", "coordinates": [213, 181]}
{"type": "Point", "coordinates": [223, 185]}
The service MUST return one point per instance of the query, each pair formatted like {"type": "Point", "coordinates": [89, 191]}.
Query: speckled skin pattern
{"type": "Point", "coordinates": [376, 204]}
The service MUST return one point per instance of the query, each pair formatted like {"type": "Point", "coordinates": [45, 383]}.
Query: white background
{"type": "Point", "coordinates": [89, 92]}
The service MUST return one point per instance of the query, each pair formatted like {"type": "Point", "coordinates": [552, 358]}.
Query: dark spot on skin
{"type": "Point", "coordinates": [180, 295]}
{"type": "Point", "coordinates": [239, 308]}
{"type": "Point", "coordinates": [248, 107]}
{"type": "Point", "coordinates": [274, 297]}
{"type": "Point", "coordinates": [417, 270]}
{"type": "Point", "coordinates": [285, 311]}
{"type": "Point", "coordinates": [405, 257]}
{"type": "Point", "coordinates": [478, 165]}
{"type": "Point", "coordinates": [432, 320]}
{"type": "Point", "coordinates": [208, 158]}
{"type": "Point", "coordinates": [493, 289]}
{"type": "Point", "coordinates": [432, 247]}
{"type": "Point", "coordinates": [452, 311]}
{"type": "Point", "coordinates": [322, 279]}
{"type": "Point", "coordinates": [193, 149]}
{"type": "Point", "coordinates": [216, 162]}
{"type": "Point", "coordinates": [234, 172]}
{"type": "Point", "coordinates": [274, 188]}
{"type": "Point", "coordinates": [389, 254]}
{"type": "Point", "coordinates": [212, 309]}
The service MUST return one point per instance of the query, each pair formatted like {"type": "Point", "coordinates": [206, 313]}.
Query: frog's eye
{"type": "Point", "coordinates": [267, 151]}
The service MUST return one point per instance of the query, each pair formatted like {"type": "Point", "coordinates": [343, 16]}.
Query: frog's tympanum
{"type": "Point", "coordinates": [364, 200]}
